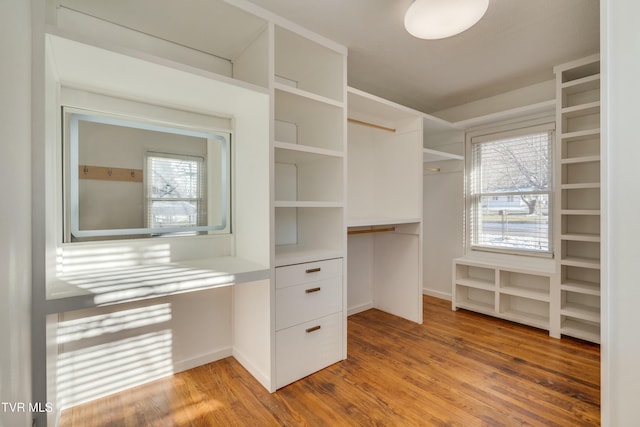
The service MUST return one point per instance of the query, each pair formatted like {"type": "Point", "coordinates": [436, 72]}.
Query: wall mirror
{"type": "Point", "coordinates": [127, 177]}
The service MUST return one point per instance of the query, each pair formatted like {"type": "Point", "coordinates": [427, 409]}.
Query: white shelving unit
{"type": "Point", "coordinates": [509, 292]}
{"type": "Point", "coordinates": [309, 170]}
{"type": "Point", "coordinates": [443, 203]}
{"type": "Point", "coordinates": [285, 89]}
{"type": "Point", "coordinates": [384, 206]}
{"type": "Point", "coordinates": [578, 196]}
{"type": "Point", "coordinates": [389, 148]}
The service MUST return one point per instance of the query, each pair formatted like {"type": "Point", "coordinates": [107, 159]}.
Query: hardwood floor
{"type": "Point", "coordinates": [457, 369]}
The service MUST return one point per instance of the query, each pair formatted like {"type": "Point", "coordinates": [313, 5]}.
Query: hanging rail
{"type": "Point", "coordinates": [371, 230]}
{"type": "Point", "coordinates": [373, 125]}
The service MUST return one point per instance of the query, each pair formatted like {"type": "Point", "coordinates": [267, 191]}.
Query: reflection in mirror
{"type": "Point", "coordinates": [127, 178]}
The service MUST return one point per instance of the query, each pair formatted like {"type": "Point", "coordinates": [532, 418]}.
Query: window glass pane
{"type": "Point", "coordinates": [520, 224]}
{"type": "Point", "coordinates": [175, 191]}
{"type": "Point", "coordinates": [164, 213]}
{"type": "Point", "coordinates": [174, 178]}
{"type": "Point", "coordinates": [510, 190]}
{"type": "Point", "coordinates": [518, 164]}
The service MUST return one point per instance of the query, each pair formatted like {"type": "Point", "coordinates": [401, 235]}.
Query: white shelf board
{"type": "Point", "coordinates": [512, 263]}
{"type": "Point", "coordinates": [307, 95]}
{"type": "Point", "coordinates": [307, 204]}
{"type": "Point", "coordinates": [364, 222]}
{"type": "Point", "coordinates": [580, 287]}
{"type": "Point", "coordinates": [580, 311]}
{"type": "Point", "coordinates": [476, 283]}
{"type": "Point", "coordinates": [580, 262]}
{"type": "Point", "coordinates": [538, 295]}
{"type": "Point", "coordinates": [476, 306]}
{"type": "Point", "coordinates": [306, 149]}
{"type": "Point", "coordinates": [430, 155]}
{"type": "Point", "coordinates": [581, 330]}
{"type": "Point", "coordinates": [525, 318]}
{"type": "Point", "coordinates": [594, 212]}
{"type": "Point", "coordinates": [581, 237]}
{"type": "Point", "coordinates": [583, 159]}
{"type": "Point", "coordinates": [580, 134]}
{"type": "Point", "coordinates": [580, 186]}
{"type": "Point", "coordinates": [582, 85]}
{"type": "Point", "coordinates": [581, 110]}
{"type": "Point", "coordinates": [125, 284]}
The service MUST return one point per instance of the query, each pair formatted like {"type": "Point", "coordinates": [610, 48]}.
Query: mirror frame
{"type": "Point", "coordinates": [71, 117]}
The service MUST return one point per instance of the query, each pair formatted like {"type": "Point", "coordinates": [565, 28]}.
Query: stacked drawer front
{"type": "Point", "coordinates": [309, 318]}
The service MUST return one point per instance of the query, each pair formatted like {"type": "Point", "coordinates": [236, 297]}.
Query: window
{"type": "Point", "coordinates": [510, 186]}
{"type": "Point", "coordinates": [175, 191]}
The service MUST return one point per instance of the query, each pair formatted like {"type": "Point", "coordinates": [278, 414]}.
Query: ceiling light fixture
{"type": "Point", "coordinates": [438, 19]}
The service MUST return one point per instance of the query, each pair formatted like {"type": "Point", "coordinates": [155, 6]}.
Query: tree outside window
{"type": "Point", "coordinates": [510, 189]}
{"type": "Point", "coordinates": [175, 191]}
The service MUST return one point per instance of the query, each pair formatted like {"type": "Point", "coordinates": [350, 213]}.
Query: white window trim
{"type": "Point", "coordinates": [202, 188]}
{"type": "Point", "coordinates": [506, 129]}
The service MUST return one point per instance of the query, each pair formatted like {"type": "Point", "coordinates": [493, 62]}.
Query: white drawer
{"type": "Point", "coordinates": [306, 348]}
{"type": "Point", "coordinates": [307, 301]}
{"type": "Point", "coordinates": [307, 272]}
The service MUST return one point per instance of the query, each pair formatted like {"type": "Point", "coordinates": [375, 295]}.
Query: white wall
{"type": "Point", "coordinates": [528, 95]}
{"type": "Point", "coordinates": [443, 227]}
{"type": "Point", "coordinates": [620, 41]}
{"type": "Point", "coordinates": [108, 349]}
{"type": "Point", "coordinates": [15, 215]}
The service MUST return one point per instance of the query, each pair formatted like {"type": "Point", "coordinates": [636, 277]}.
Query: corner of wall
{"type": "Point", "coordinates": [524, 96]}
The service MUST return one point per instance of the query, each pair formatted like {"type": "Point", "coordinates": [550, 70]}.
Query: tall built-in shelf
{"type": "Point", "coordinates": [308, 144]}
{"type": "Point", "coordinates": [577, 221]}
{"type": "Point", "coordinates": [308, 151]}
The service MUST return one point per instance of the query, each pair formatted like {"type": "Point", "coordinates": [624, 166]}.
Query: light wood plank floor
{"type": "Point", "coordinates": [457, 369]}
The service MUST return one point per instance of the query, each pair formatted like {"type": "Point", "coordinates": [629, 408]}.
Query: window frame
{"type": "Point", "coordinates": [201, 189]}
{"type": "Point", "coordinates": [497, 132]}
{"type": "Point", "coordinates": [71, 115]}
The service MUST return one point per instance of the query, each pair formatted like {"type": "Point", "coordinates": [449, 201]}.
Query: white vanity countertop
{"type": "Point", "coordinates": [124, 284]}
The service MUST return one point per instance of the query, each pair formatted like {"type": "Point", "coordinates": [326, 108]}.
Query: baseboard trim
{"type": "Point", "coordinates": [203, 359]}
{"type": "Point", "coordinates": [262, 378]}
{"type": "Point", "coordinates": [359, 308]}
{"type": "Point", "coordinates": [437, 294]}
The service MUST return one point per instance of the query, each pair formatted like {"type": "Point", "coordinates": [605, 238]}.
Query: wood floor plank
{"type": "Point", "coordinates": [457, 369]}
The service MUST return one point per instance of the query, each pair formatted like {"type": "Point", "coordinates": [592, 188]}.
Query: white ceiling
{"type": "Point", "coordinates": [516, 44]}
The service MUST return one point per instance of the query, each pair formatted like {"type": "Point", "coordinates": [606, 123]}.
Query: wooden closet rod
{"type": "Point", "coordinates": [371, 230]}
{"type": "Point", "coordinates": [373, 125]}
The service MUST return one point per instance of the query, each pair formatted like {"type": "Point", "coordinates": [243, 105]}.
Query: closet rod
{"type": "Point", "coordinates": [373, 125]}
{"type": "Point", "coordinates": [431, 169]}
{"type": "Point", "coordinates": [371, 230]}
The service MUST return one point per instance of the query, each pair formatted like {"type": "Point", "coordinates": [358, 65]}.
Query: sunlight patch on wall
{"type": "Point", "coordinates": [74, 259]}
{"type": "Point", "coordinates": [109, 352]}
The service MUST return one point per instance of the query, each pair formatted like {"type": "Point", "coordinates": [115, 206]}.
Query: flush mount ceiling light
{"type": "Point", "coordinates": [438, 19]}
